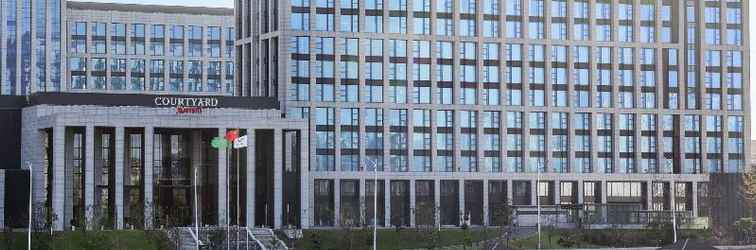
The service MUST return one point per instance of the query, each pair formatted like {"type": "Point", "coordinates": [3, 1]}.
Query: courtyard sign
{"type": "Point", "coordinates": [186, 105]}
{"type": "Point", "coordinates": [191, 102]}
{"type": "Point", "coordinates": [199, 102]}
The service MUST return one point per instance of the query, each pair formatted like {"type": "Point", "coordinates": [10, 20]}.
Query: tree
{"type": "Point", "coordinates": [41, 223]}
{"type": "Point", "coordinates": [425, 222]}
{"type": "Point", "coordinates": [136, 216]}
{"type": "Point", "coordinates": [347, 223]}
{"type": "Point", "coordinates": [662, 230]}
{"type": "Point", "coordinates": [9, 239]}
{"type": "Point", "coordinates": [316, 241]}
{"type": "Point", "coordinates": [745, 229]}
{"type": "Point", "coordinates": [502, 217]}
{"type": "Point", "coordinates": [502, 214]}
{"type": "Point", "coordinates": [749, 186]}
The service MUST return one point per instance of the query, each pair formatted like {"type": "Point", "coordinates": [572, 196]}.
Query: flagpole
{"type": "Point", "coordinates": [375, 197]}
{"type": "Point", "coordinates": [238, 212]}
{"type": "Point", "coordinates": [375, 202]}
{"type": "Point", "coordinates": [196, 213]}
{"type": "Point", "coordinates": [538, 204]}
{"type": "Point", "coordinates": [228, 189]}
{"type": "Point", "coordinates": [375, 206]}
{"type": "Point", "coordinates": [31, 180]}
{"type": "Point", "coordinates": [674, 209]}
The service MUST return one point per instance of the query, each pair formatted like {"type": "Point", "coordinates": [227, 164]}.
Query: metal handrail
{"type": "Point", "coordinates": [195, 236]}
{"type": "Point", "coordinates": [281, 244]}
{"type": "Point", "coordinates": [278, 241]}
{"type": "Point", "coordinates": [251, 235]}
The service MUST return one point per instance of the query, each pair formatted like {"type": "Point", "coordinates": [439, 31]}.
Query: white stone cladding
{"type": "Point", "coordinates": [312, 20]}
{"type": "Point", "coordinates": [57, 118]}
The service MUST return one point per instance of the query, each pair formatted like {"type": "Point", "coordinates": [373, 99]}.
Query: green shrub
{"type": "Point", "coordinates": [160, 240]}
{"type": "Point", "coordinates": [96, 240]}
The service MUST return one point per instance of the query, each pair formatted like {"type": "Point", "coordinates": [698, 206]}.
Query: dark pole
{"type": "Point", "coordinates": [228, 189]}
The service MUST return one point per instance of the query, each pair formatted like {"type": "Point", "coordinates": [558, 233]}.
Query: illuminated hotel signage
{"type": "Point", "coordinates": [199, 102]}
{"type": "Point", "coordinates": [186, 105]}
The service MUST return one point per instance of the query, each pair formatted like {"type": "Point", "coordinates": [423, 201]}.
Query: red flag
{"type": "Point", "coordinates": [232, 135]}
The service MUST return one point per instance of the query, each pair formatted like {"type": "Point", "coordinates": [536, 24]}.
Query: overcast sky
{"type": "Point", "coordinates": [230, 4]}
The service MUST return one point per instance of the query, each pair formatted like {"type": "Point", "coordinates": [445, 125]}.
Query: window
{"type": "Point", "coordinates": [374, 24]}
{"type": "Point", "coordinates": [118, 39]}
{"type": "Point", "coordinates": [79, 37]}
{"type": "Point", "coordinates": [157, 42]}
{"type": "Point", "coordinates": [177, 40]}
{"type": "Point", "coordinates": [300, 21]}
{"type": "Point", "coordinates": [398, 118]}
{"type": "Point", "coordinates": [213, 41]}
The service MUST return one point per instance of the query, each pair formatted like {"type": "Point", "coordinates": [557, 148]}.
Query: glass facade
{"type": "Point", "coordinates": [477, 88]}
{"type": "Point", "coordinates": [612, 70]}
{"type": "Point", "coordinates": [26, 43]}
{"type": "Point", "coordinates": [191, 55]}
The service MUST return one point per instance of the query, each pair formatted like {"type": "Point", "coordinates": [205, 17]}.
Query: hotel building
{"type": "Point", "coordinates": [456, 107]}
{"type": "Point", "coordinates": [460, 103]}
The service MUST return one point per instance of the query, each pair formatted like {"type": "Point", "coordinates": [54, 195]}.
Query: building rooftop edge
{"type": "Point", "coordinates": [150, 8]}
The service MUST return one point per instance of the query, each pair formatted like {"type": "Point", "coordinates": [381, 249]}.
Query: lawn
{"type": "Point", "coordinates": [597, 238]}
{"type": "Point", "coordinates": [390, 238]}
{"type": "Point", "coordinates": [342, 239]}
{"type": "Point", "coordinates": [84, 240]}
{"type": "Point", "coordinates": [531, 242]}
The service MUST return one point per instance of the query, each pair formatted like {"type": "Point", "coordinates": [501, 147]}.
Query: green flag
{"type": "Point", "coordinates": [219, 143]}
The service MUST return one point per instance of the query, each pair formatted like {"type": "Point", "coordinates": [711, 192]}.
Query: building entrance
{"type": "Point", "coordinates": [264, 177]}
{"type": "Point", "coordinates": [177, 154]}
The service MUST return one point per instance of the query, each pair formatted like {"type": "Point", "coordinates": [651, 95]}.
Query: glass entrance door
{"type": "Point", "coordinates": [173, 178]}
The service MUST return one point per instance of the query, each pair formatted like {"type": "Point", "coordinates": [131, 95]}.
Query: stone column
{"type": "Point", "coordinates": [277, 178]}
{"type": "Point", "coordinates": [580, 196]}
{"type": "Point", "coordinates": [58, 178]}
{"type": "Point", "coordinates": [412, 202]}
{"type": "Point", "coordinates": [671, 201]}
{"type": "Point", "coordinates": [534, 193]}
{"type": "Point", "coordinates": [461, 197]}
{"type": "Point", "coordinates": [556, 190]}
{"type": "Point", "coordinates": [32, 152]}
{"type": "Point", "coordinates": [119, 165]}
{"type": "Point", "coordinates": [250, 183]}
{"type": "Point", "coordinates": [649, 194]}
{"type": "Point", "coordinates": [485, 203]}
{"type": "Point", "coordinates": [361, 190]}
{"type": "Point", "coordinates": [148, 177]}
{"type": "Point", "coordinates": [509, 192]}
{"type": "Point", "coordinates": [222, 183]}
{"type": "Point", "coordinates": [387, 201]}
{"type": "Point", "coordinates": [311, 201]}
{"type": "Point", "coordinates": [305, 178]}
{"type": "Point", "coordinates": [89, 175]}
{"type": "Point", "coordinates": [437, 201]}
{"type": "Point", "coordinates": [604, 189]}
{"type": "Point", "coordinates": [337, 202]}
{"type": "Point", "coordinates": [196, 166]}
{"type": "Point", "coordinates": [694, 196]}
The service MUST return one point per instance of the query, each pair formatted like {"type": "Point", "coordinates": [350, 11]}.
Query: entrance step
{"type": "Point", "coordinates": [268, 239]}
{"type": "Point", "coordinates": [232, 238]}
